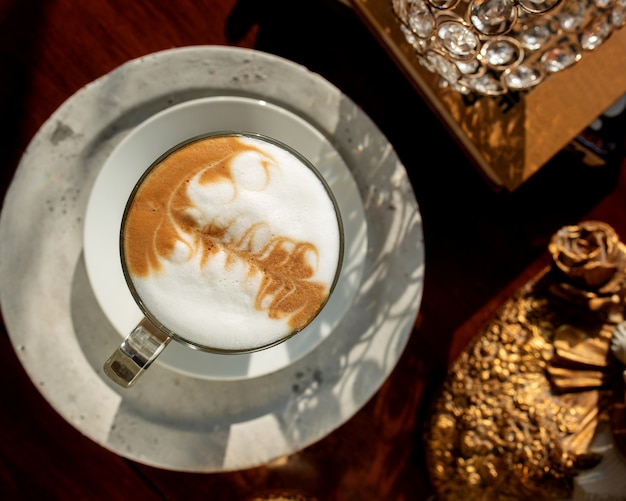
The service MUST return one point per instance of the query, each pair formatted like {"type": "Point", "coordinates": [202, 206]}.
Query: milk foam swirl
{"type": "Point", "coordinates": [232, 243]}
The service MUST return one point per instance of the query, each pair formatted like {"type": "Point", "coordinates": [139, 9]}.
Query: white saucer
{"type": "Point", "coordinates": [147, 142]}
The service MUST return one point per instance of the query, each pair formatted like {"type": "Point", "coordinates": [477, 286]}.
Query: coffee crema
{"type": "Point", "coordinates": [232, 242]}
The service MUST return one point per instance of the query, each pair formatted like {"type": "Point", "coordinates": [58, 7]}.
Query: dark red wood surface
{"type": "Point", "coordinates": [480, 244]}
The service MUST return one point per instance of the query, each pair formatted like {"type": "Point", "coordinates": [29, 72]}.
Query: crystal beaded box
{"type": "Point", "coordinates": [508, 134]}
{"type": "Point", "coordinates": [495, 46]}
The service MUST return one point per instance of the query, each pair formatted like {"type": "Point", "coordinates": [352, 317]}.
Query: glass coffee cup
{"type": "Point", "coordinates": [230, 242]}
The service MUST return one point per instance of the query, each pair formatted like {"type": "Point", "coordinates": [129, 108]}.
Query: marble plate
{"type": "Point", "coordinates": [172, 420]}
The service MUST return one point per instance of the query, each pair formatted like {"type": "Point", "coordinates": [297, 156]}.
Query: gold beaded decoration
{"type": "Point", "coordinates": [520, 406]}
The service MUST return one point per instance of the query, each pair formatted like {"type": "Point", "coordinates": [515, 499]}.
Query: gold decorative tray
{"type": "Point", "coordinates": [521, 407]}
{"type": "Point", "coordinates": [509, 139]}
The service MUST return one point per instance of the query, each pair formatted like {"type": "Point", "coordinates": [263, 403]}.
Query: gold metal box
{"type": "Point", "coordinates": [509, 138]}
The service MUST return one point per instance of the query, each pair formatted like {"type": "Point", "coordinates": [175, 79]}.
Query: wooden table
{"type": "Point", "coordinates": [480, 244]}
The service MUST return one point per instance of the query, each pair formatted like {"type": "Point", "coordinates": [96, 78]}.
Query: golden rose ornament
{"type": "Point", "coordinates": [588, 254]}
{"type": "Point", "coordinates": [590, 258]}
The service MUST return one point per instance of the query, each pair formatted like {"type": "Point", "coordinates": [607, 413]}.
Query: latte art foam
{"type": "Point", "coordinates": [232, 243]}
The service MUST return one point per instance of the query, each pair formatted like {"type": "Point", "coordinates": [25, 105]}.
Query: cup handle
{"type": "Point", "coordinates": [133, 357]}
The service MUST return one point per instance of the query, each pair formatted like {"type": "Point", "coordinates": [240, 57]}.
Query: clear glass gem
{"type": "Point", "coordinates": [618, 16]}
{"type": "Point", "coordinates": [444, 67]}
{"type": "Point", "coordinates": [486, 84]}
{"type": "Point", "coordinates": [538, 6]}
{"type": "Point", "coordinates": [443, 4]}
{"type": "Point", "coordinates": [560, 57]}
{"type": "Point", "coordinates": [595, 34]}
{"type": "Point", "coordinates": [458, 40]}
{"type": "Point", "coordinates": [522, 77]}
{"type": "Point", "coordinates": [420, 19]}
{"type": "Point", "coordinates": [425, 62]}
{"type": "Point", "coordinates": [468, 67]}
{"type": "Point", "coordinates": [535, 35]}
{"type": "Point", "coordinates": [571, 15]}
{"type": "Point", "coordinates": [501, 52]}
{"type": "Point", "coordinates": [492, 17]}
{"type": "Point", "coordinates": [419, 44]}
{"type": "Point", "coordinates": [461, 87]}
{"type": "Point", "coordinates": [400, 9]}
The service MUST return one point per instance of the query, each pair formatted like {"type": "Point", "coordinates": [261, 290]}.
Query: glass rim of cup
{"type": "Point", "coordinates": [152, 318]}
